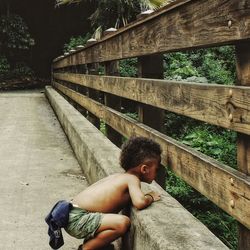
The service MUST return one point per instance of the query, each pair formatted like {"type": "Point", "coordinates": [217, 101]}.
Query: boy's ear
{"type": "Point", "coordinates": [144, 169]}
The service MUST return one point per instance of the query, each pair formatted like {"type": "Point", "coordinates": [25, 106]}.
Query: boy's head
{"type": "Point", "coordinates": [141, 152]}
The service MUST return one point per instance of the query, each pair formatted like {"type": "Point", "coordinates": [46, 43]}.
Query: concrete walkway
{"type": "Point", "coordinates": [37, 168]}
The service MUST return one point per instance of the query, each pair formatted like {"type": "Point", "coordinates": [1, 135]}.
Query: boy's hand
{"type": "Point", "coordinates": [156, 196]}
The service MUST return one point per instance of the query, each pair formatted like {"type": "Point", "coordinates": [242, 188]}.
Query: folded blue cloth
{"type": "Point", "coordinates": [58, 218]}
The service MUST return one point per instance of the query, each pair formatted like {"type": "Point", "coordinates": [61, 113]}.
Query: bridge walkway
{"type": "Point", "coordinates": [37, 167]}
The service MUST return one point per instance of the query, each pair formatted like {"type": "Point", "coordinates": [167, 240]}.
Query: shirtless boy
{"type": "Point", "coordinates": [94, 217]}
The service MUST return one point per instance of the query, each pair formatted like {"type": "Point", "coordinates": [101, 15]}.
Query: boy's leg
{"type": "Point", "coordinates": [112, 227]}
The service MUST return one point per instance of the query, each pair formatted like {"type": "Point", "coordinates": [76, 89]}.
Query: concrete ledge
{"type": "Point", "coordinates": [94, 152]}
{"type": "Point", "coordinates": [164, 225]}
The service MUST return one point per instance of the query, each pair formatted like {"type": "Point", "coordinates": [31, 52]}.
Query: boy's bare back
{"type": "Point", "coordinates": [114, 192]}
{"type": "Point", "coordinates": [109, 195]}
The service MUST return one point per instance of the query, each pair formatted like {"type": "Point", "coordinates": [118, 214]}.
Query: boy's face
{"type": "Point", "coordinates": [150, 169]}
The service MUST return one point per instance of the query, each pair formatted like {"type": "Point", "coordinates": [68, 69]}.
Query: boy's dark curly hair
{"type": "Point", "coordinates": [136, 150]}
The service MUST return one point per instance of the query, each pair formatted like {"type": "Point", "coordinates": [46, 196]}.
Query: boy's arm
{"type": "Point", "coordinates": [138, 198]}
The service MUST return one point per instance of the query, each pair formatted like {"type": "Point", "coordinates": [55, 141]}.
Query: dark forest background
{"type": "Point", "coordinates": [49, 27]}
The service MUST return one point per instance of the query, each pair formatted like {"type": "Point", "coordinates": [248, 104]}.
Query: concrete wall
{"type": "Point", "coordinates": [163, 225]}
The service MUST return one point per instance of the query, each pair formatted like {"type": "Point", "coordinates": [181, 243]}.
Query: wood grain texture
{"type": "Point", "coordinates": [225, 106]}
{"type": "Point", "coordinates": [243, 143]}
{"type": "Point", "coordinates": [226, 187]}
{"type": "Point", "coordinates": [194, 24]}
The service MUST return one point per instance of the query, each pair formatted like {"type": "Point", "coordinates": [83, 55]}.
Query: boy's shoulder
{"type": "Point", "coordinates": [125, 177]}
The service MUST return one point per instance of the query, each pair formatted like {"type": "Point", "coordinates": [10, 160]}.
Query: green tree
{"type": "Point", "coordinates": [15, 38]}
{"type": "Point", "coordinates": [15, 45]}
{"type": "Point", "coordinates": [75, 41]}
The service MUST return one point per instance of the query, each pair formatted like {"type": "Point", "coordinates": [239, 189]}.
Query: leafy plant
{"type": "Point", "coordinates": [178, 64]}
{"type": "Point", "coordinates": [103, 127]}
{"type": "Point", "coordinates": [132, 115]}
{"type": "Point", "coordinates": [178, 126]}
{"type": "Point", "coordinates": [75, 41]}
{"type": "Point", "coordinates": [128, 67]}
{"type": "Point", "coordinates": [15, 44]}
{"type": "Point", "coordinates": [215, 64]}
{"type": "Point", "coordinates": [217, 143]}
{"type": "Point", "coordinates": [14, 34]}
{"type": "Point", "coordinates": [219, 65]}
{"type": "Point", "coordinates": [4, 65]}
{"type": "Point", "coordinates": [20, 70]}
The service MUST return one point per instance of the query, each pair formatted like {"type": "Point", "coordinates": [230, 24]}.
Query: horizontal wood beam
{"type": "Point", "coordinates": [188, 24]}
{"type": "Point", "coordinates": [225, 106]}
{"type": "Point", "coordinates": [225, 186]}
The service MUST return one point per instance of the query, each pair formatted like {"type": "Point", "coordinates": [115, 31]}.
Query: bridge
{"type": "Point", "coordinates": [83, 100]}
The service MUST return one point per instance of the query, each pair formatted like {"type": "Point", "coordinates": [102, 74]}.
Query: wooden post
{"type": "Point", "coordinates": [152, 67]}
{"type": "Point", "coordinates": [82, 69]}
{"type": "Point", "coordinates": [112, 69]}
{"type": "Point", "coordinates": [76, 88]}
{"type": "Point", "coordinates": [73, 69]}
{"type": "Point", "coordinates": [93, 94]}
{"type": "Point", "coordinates": [243, 143]}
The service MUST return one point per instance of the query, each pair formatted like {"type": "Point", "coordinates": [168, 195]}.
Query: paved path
{"type": "Point", "coordinates": [37, 167]}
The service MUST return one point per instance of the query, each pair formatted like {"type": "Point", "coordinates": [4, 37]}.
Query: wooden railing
{"type": "Point", "coordinates": [178, 26]}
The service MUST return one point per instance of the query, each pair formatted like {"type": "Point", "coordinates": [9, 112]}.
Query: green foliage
{"type": "Point", "coordinates": [179, 64]}
{"type": "Point", "coordinates": [128, 67]}
{"type": "Point", "coordinates": [4, 66]}
{"type": "Point", "coordinates": [75, 41]}
{"type": "Point", "coordinates": [218, 68]}
{"type": "Point", "coordinates": [113, 13]}
{"type": "Point", "coordinates": [101, 69]}
{"type": "Point", "coordinates": [14, 34]}
{"type": "Point", "coordinates": [15, 43]}
{"type": "Point", "coordinates": [103, 127]}
{"type": "Point", "coordinates": [20, 70]}
{"type": "Point", "coordinates": [132, 115]}
{"type": "Point", "coordinates": [178, 126]}
{"type": "Point", "coordinates": [217, 143]}
{"type": "Point", "coordinates": [216, 64]}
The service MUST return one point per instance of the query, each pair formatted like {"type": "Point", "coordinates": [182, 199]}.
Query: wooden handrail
{"type": "Point", "coordinates": [194, 24]}
{"type": "Point", "coordinates": [225, 106]}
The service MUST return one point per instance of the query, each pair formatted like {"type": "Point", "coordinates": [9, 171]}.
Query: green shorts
{"type": "Point", "coordinates": [83, 224]}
